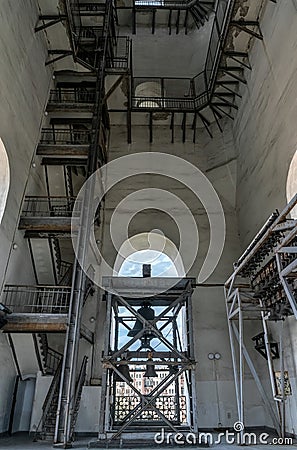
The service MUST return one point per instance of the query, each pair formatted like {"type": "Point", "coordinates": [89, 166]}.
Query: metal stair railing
{"type": "Point", "coordinates": [78, 392]}
{"type": "Point", "coordinates": [53, 359]}
{"type": "Point", "coordinates": [217, 39]}
{"type": "Point", "coordinates": [201, 87]}
{"type": "Point", "coordinates": [42, 348]}
{"type": "Point", "coordinates": [171, 4]}
{"type": "Point", "coordinates": [59, 136]}
{"type": "Point", "coordinates": [37, 299]}
{"type": "Point", "coordinates": [76, 95]}
{"type": "Point", "coordinates": [65, 273]}
{"type": "Point", "coordinates": [48, 402]}
{"type": "Point", "coordinates": [44, 206]}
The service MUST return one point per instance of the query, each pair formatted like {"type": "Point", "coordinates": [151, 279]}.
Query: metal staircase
{"type": "Point", "coordinates": [78, 393]}
{"type": "Point", "coordinates": [46, 427]}
{"type": "Point", "coordinates": [175, 15]}
{"type": "Point", "coordinates": [51, 358]}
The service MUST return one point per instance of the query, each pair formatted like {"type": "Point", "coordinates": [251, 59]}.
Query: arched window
{"type": "Point", "coordinates": [162, 265]}
{"type": "Point", "coordinates": [149, 248]}
{"type": "Point", "coordinates": [4, 179]}
{"type": "Point", "coordinates": [292, 183]}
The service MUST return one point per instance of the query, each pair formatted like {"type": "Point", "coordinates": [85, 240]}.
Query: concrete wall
{"type": "Point", "coordinates": [265, 127]}
{"type": "Point", "coordinates": [24, 405]}
{"type": "Point", "coordinates": [41, 389]}
{"type": "Point", "coordinates": [88, 416]}
{"type": "Point", "coordinates": [265, 135]}
{"type": "Point", "coordinates": [24, 84]}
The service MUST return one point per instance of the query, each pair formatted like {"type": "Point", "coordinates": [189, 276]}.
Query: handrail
{"type": "Point", "coordinates": [37, 299]}
{"type": "Point", "coordinates": [32, 286]}
{"type": "Point", "coordinates": [65, 274]}
{"type": "Point", "coordinates": [48, 206]}
{"type": "Point", "coordinates": [78, 391]}
{"type": "Point", "coordinates": [218, 34]}
{"type": "Point", "coordinates": [167, 4]}
{"type": "Point", "coordinates": [50, 197]}
{"type": "Point", "coordinates": [53, 359]}
{"type": "Point", "coordinates": [211, 66]}
{"type": "Point", "coordinates": [49, 397]}
{"type": "Point", "coordinates": [72, 95]}
{"type": "Point", "coordinates": [64, 136]}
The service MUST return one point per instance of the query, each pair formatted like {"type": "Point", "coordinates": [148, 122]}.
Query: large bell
{"type": "Point", "coordinates": [147, 313]}
{"type": "Point", "coordinates": [124, 371]}
{"type": "Point", "coordinates": [150, 371]}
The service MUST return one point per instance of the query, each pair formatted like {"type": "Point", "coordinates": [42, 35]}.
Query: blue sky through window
{"type": "Point", "coordinates": [162, 265]}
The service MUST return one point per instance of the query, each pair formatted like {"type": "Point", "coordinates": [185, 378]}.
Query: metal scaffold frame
{"type": "Point", "coordinates": [177, 359]}
{"type": "Point", "coordinates": [263, 288]}
{"type": "Point", "coordinates": [66, 400]}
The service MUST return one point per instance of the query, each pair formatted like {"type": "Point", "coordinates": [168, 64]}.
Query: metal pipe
{"type": "Point", "coordinates": [282, 373]}
{"type": "Point", "coordinates": [241, 368]}
{"type": "Point", "coordinates": [66, 405]}
{"type": "Point", "coordinates": [269, 360]}
{"type": "Point", "coordinates": [257, 379]}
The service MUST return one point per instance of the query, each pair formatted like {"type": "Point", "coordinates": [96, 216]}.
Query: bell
{"type": "Point", "coordinates": [137, 327]}
{"type": "Point", "coordinates": [147, 313]}
{"type": "Point", "coordinates": [125, 372]}
{"type": "Point", "coordinates": [150, 371]}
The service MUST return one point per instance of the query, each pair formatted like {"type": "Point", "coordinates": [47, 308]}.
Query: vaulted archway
{"type": "Point", "coordinates": [149, 248]}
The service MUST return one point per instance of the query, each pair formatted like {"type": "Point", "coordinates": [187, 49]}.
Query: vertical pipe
{"type": "Point", "coordinates": [233, 355]}
{"type": "Point", "coordinates": [270, 362]}
{"type": "Point", "coordinates": [66, 407]}
{"type": "Point", "coordinates": [192, 356]}
{"type": "Point", "coordinates": [282, 371]}
{"type": "Point", "coordinates": [241, 366]}
{"type": "Point", "coordinates": [102, 423]}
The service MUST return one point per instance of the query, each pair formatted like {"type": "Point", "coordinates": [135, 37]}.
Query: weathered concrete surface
{"type": "Point", "coordinates": [266, 139]}
{"type": "Point", "coordinates": [265, 127]}
{"type": "Point", "coordinates": [24, 84]}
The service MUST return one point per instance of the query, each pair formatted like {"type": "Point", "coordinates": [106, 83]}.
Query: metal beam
{"type": "Point", "coordinates": [62, 54]}
{"type": "Point", "coordinates": [244, 24]}
{"type": "Point", "coordinates": [48, 24]}
{"type": "Point", "coordinates": [257, 379]}
{"type": "Point", "coordinates": [206, 124]}
{"type": "Point", "coordinates": [113, 88]}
